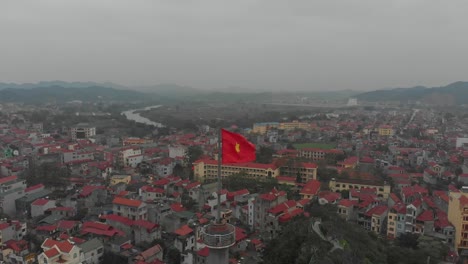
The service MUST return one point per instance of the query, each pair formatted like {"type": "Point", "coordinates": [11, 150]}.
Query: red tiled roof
{"type": "Point", "coordinates": [378, 210]}
{"type": "Point", "coordinates": [394, 197]}
{"type": "Point", "coordinates": [240, 234]}
{"type": "Point", "coordinates": [204, 252]}
{"type": "Point", "coordinates": [40, 202]}
{"type": "Point", "coordinates": [311, 187]}
{"type": "Point", "coordinates": [64, 246]}
{"type": "Point", "coordinates": [127, 202]}
{"type": "Point", "coordinates": [192, 185]}
{"type": "Point", "coordinates": [177, 207]}
{"type": "Point", "coordinates": [283, 207]}
{"type": "Point", "coordinates": [8, 179]}
{"type": "Point", "coordinates": [117, 218]}
{"type": "Point", "coordinates": [288, 216]}
{"type": "Point", "coordinates": [51, 252]}
{"type": "Point", "coordinates": [329, 196]}
{"type": "Point", "coordinates": [347, 203]}
{"type": "Point", "coordinates": [399, 208]}
{"type": "Point", "coordinates": [183, 230]}
{"type": "Point", "coordinates": [145, 224]}
{"type": "Point", "coordinates": [48, 228]}
{"type": "Point", "coordinates": [425, 216]}
{"type": "Point", "coordinates": [87, 190]}
{"type": "Point", "coordinates": [34, 187]}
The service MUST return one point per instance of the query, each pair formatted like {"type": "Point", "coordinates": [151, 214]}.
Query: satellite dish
{"type": "Point", "coordinates": [15, 152]}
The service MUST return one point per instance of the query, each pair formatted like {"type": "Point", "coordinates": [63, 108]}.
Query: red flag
{"type": "Point", "coordinates": [235, 148]}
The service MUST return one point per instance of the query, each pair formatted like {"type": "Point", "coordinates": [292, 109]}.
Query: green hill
{"type": "Point", "coordinates": [455, 93]}
{"type": "Point", "coordinates": [61, 94]}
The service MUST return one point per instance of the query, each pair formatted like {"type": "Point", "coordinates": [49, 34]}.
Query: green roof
{"type": "Point", "coordinates": [90, 245]}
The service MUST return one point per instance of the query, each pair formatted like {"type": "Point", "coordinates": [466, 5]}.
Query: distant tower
{"type": "Point", "coordinates": [219, 236]}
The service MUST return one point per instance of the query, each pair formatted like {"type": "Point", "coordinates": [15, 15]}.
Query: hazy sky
{"type": "Point", "coordinates": [266, 44]}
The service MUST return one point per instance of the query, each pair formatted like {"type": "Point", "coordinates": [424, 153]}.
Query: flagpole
{"type": "Point", "coordinates": [218, 214]}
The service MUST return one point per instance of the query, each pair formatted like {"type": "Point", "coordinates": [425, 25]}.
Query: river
{"type": "Point", "coordinates": [131, 115]}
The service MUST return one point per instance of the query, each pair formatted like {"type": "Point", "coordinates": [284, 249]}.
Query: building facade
{"type": "Point", "coordinates": [208, 170]}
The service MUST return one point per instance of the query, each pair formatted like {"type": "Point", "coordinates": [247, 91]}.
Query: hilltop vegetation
{"type": "Point", "coordinates": [455, 93]}
{"type": "Point", "coordinates": [299, 244]}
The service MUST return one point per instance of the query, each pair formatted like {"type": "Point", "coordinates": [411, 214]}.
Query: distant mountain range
{"type": "Point", "coordinates": [61, 94]}
{"type": "Point", "coordinates": [454, 93]}
{"type": "Point", "coordinates": [59, 83]}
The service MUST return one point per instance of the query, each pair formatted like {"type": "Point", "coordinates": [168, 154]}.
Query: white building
{"type": "Point", "coordinates": [92, 251]}
{"type": "Point", "coordinates": [39, 206]}
{"type": "Point", "coordinates": [130, 157]}
{"type": "Point", "coordinates": [11, 188]}
{"type": "Point", "coordinates": [82, 131]}
{"type": "Point", "coordinates": [177, 151]}
{"type": "Point", "coordinates": [71, 156]}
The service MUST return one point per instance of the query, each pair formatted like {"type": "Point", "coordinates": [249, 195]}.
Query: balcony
{"type": "Point", "coordinates": [219, 236]}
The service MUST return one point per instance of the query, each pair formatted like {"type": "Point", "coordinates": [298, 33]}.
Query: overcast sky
{"type": "Point", "coordinates": [258, 44]}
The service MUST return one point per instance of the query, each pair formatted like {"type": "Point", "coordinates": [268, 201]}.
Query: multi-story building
{"type": "Point", "coordinates": [458, 216]}
{"type": "Point", "coordinates": [135, 141]}
{"type": "Point", "coordinates": [11, 188]}
{"type": "Point", "coordinates": [92, 251]}
{"type": "Point", "coordinates": [59, 252]}
{"type": "Point", "coordinates": [382, 188]}
{"type": "Point", "coordinates": [386, 130]}
{"type": "Point", "coordinates": [132, 209]}
{"type": "Point", "coordinates": [396, 220]}
{"type": "Point", "coordinates": [129, 157]}
{"type": "Point", "coordinates": [293, 125]}
{"type": "Point", "coordinates": [208, 170]}
{"type": "Point", "coordinates": [378, 216]}
{"type": "Point", "coordinates": [262, 128]}
{"type": "Point", "coordinates": [82, 131]}
{"type": "Point", "coordinates": [316, 154]}
{"type": "Point", "coordinates": [263, 204]}
{"type": "Point", "coordinates": [306, 171]}
{"type": "Point", "coordinates": [71, 156]}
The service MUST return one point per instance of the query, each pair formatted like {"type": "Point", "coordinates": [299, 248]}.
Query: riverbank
{"type": "Point", "coordinates": [134, 116]}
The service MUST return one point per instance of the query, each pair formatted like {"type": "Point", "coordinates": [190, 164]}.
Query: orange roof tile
{"type": "Point", "coordinates": [127, 202]}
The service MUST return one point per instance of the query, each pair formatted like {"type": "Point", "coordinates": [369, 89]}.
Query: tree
{"type": "Point", "coordinates": [408, 240]}
{"type": "Point", "coordinates": [173, 256]}
{"type": "Point", "coordinates": [298, 177]}
{"type": "Point", "coordinates": [265, 155]}
{"type": "Point", "coordinates": [188, 202]}
{"type": "Point", "coordinates": [194, 153]}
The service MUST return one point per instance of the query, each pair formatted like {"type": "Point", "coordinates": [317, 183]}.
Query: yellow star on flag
{"type": "Point", "coordinates": [237, 147]}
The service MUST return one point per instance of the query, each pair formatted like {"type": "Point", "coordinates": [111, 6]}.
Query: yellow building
{"type": "Point", "coordinates": [208, 170]}
{"type": "Point", "coordinates": [458, 216]}
{"type": "Point", "coordinates": [262, 128]}
{"type": "Point", "coordinates": [294, 125]}
{"type": "Point", "coordinates": [386, 130]}
{"type": "Point", "coordinates": [116, 179]}
{"type": "Point", "coordinates": [338, 185]}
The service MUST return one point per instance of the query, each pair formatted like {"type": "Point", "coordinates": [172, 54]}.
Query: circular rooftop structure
{"type": "Point", "coordinates": [219, 236]}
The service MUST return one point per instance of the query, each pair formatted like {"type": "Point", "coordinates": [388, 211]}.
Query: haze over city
{"type": "Point", "coordinates": [258, 45]}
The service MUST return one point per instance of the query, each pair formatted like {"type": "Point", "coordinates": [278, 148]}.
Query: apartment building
{"type": "Point", "coordinates": [132, 209]}
{"type": "Point", "coordinates": [458, 216]}
{"type": "Point", "coordinates": [82, 131]}
{"type": "Point", "coordinates": [11, 189]}
{"type": "Point", "coordinates": [129, 157]}
{"type": "Point", "coordinates": [208, 170]}
{"type": "Point", "coordinates": [317, 154]}
{"type": "Point", "coordinates": [382, 188]}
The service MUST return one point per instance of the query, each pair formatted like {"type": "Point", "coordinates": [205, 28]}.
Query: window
{"type": "Point", "coordinates": [74, 255]}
